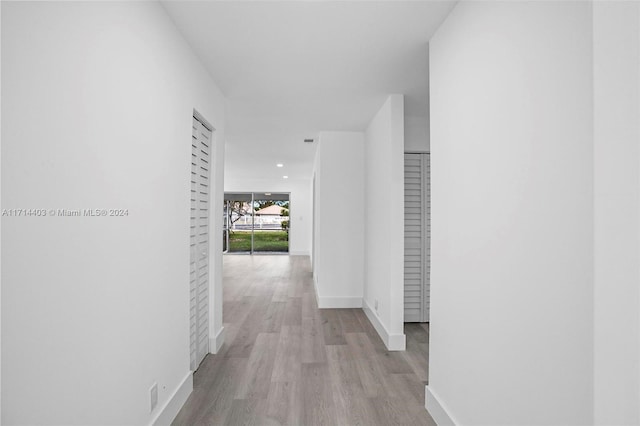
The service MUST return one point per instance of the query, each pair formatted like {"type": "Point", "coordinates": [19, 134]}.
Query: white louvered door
{"type": "Point", "coordinates": [199, 240]}
{"type": "Point", "coordinates": [417, 235]}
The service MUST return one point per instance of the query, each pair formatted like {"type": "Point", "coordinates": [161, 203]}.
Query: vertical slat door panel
{"type": "Point", "coordinates": [199, 240]}
{"type": "Point", "coordinates": [416, 238]}
{"type": "Point", "coordinates": [426, 193]}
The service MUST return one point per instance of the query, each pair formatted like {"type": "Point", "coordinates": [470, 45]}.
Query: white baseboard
{"type": "Point", "coordinates": [215, 343]}
{"type": "Point", "coordinates": [397, 342]}
{"type": "Point", "coordinates": [436, 409]}
{"type": "Point", "coordinates": [393, 342]}
{"type": "Point", "coordinates": [298, 253]}
{"type": "Point", "coordinates": [175, 402]}
{"type": "Point", "coordinates": [335, 302]}
{"type": "Point", "coordinates": [339, 302]}
{"type": "Point", "coordinates": [315, 287]}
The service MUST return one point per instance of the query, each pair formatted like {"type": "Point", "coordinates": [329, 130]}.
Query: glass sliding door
{"type": "Point", "coordinates": [238, 223]}
{"type": "Point", "coordinates": [256, 223]}
{"type": "Point", "coordinates": [271, 223]}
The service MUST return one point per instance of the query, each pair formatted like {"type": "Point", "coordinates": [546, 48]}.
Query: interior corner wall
{"type": "Point", "coordinates": [616, 37]}
{"type": "Point", "coordinates": [339, 220]}
{"type": "Point", "coordinates": [315, 184]}
{"type": "Point", "coordinates": [301, 205]}
{"type": "Point", "coordinates": [97, 104]}
{"type": "Point", "coordinates": [216, 202]}
{"type": "Point", "coordinates": [384, 225]}
{"type": "Point", "coordinates": [511, 331]}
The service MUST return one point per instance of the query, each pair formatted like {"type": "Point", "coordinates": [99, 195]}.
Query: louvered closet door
{"type": "Point", "coordinates": [199, 240]}
{"type": "Point", "coordinates": [417, 234]}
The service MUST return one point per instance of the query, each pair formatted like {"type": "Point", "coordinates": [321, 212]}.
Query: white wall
{"type": "Point", "coordinates": [300, 196]}
{"type": "Point", "coordinates": [416, 129]}
{"type": "Point", "coordinates": [97, 103]}
{"type": "Point", "coordinates": [339, 226]}
{"type": "Point", "coordinates": [359, 257]}
{"type": "Point", "coordinates": [512, 214]}
{"type": "Point", "coordinates": [416, 134]}
{"type": "Point", "coordinates": [384, 229]}
{"type": "Point", "coordinates": [616, 35]}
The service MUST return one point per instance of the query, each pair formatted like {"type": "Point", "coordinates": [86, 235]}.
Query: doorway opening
{"type": "Point", "coordinates": [256, 222]}
{"type": "Point", "coordinates": [417, 237]}
{"type": "Point", "coordinates": [202, 138]}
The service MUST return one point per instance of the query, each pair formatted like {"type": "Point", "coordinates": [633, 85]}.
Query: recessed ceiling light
{"type": "Point", "coordinates": [285, 177]}
{"type": "Point", "coordinates": [279, 165]}
{"type": "Point", "coordinates": [267, 193]}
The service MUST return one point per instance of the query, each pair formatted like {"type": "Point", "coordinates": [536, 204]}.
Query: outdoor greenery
{"type": "Point", "coordinates": [261, 204]}
{"type": "Point", "coordinates": [285, 223]}
{"type": "Point", "coordinates": [238, 209]}
{"type": "Point", "coordinates": [262, 241]}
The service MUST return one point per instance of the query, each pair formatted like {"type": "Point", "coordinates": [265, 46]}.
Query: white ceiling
{"type": "Point", "coordinates": [290, 69]}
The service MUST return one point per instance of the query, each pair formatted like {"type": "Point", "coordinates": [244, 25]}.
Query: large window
{"type": "Point", "coordinates": [256, 222]}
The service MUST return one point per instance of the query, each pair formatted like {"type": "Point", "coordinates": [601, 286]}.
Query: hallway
{"type": "Point", "coordinates": [287, 362]}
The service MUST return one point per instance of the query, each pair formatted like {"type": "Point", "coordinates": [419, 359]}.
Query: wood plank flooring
{"type": "Point", "coordinates": [286, 362]}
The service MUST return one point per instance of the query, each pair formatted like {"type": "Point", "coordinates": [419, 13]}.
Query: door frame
{"type": "Point", "coordinates": [205, 123]}
{"type": "Point", "coordinates": [425, 167]}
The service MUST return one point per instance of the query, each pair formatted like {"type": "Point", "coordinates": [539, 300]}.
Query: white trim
{"type": "Point", "coordinates": [437, 409]}
{"type": "Point", "coordinates": [335, 302]}
{"type": "Point", "coordinates": [215, 343]}
{"type": "Point", "coordinates": [315, 287]}
{"type": "Point", "coordinates": [203, 121]}
{"type": "Point", "coordinates": [393, 342]}
{"type": "Point", "coordinates": [175, 402]}
{"type": "Point", "coordinates": [397, 342]}
{"type": "Point", "coordinates": [339, 302]}
{"type": "Point", "coordinates": [299, 253]}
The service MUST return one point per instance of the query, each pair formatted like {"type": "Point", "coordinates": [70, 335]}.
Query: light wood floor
{"type": "Point", "coordinates": [286, 362]}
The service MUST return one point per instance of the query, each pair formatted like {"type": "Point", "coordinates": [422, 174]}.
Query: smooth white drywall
{"type": "Point", "coordinates": [416, 128]}
{"type": "Point", "coordinates": [97, 109]}
{"type": "Point", "coordinates": [339, 219]}
{"type": "Point", "coordinates": [616, 36]}
{"type": "Point", "coordinates": [300, 196]}
{"type": "Point", "coordinates": [511, 332]}
{"type": "Point", "coordinates": [416, 134]}
{"type": "Point", "coordinates": [384, 225]}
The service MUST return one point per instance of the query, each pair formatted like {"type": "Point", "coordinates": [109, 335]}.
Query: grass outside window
{"type": "Point", "coordinates": [262, 241]}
